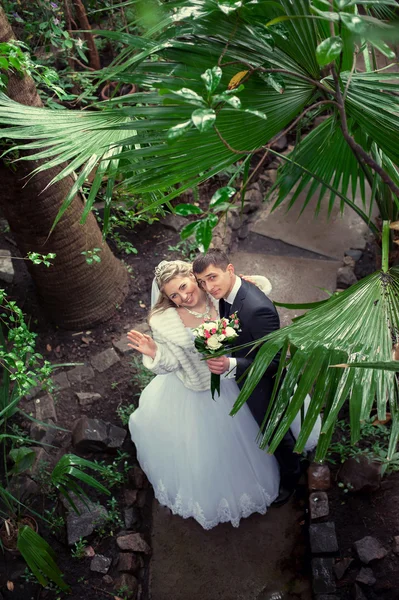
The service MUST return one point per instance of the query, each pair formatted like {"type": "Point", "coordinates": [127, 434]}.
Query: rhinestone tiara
{"type": "Point", "coordinates": [161, 268]}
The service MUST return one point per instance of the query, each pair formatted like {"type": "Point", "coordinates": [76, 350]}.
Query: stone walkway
{"type": "Point", "coordinates": [264, 559]}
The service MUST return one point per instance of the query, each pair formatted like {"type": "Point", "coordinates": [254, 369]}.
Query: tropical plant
{"type": "Point", "coordinates": [226, 80]}
{"type": "Point", "coordinates": [22, 369]}
{"type": "Point", "coordinates": [222, 81]}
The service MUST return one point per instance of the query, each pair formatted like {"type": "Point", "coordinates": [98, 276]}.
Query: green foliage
{"type": "Point", "coordinates": [115, 473]}
{"type": "Point", "coordinates": [373, 443]}
{"type": "Point", "coordinates": [39, 259]}
{"type": "Point", "coordinates": [79, 549]}
{"type": "Point", "coordinates": [124, 411]}
{"type": "Point", "coordinates": [113, 520]}
{"type": "Point", "coordinates": [187, 248]}
{"type": "Point", "coordinates": [92, 256]}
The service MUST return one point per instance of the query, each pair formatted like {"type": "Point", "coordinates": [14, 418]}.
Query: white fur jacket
{"type": "Point", "coordinates": [175, 346]}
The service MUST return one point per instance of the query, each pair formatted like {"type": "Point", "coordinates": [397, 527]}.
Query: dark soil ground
{"type": "Point", "coordinates": [118, 386]}
{"type": "Point", "coordinates": [376, 515]}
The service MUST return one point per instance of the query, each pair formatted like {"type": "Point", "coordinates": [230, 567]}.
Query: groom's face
{"type": "Point", "coordinates": [217, 281]}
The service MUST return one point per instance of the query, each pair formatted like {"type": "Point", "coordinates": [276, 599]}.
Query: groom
{"type": "Point", "coordinates": [258, 317]}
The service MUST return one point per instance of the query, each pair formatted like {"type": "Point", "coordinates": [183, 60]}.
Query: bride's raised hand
{"type": "Point", "coordinates": [142, 343]}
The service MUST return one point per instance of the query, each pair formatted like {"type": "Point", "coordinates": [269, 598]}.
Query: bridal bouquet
{"type": "Point", "coordinates": [211, 336]}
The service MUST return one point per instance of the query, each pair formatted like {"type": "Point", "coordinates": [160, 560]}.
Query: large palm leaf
{"type": "Point", "coordinates": [190, 38]}
{"type": "Point", "coordinates": [359, 324]}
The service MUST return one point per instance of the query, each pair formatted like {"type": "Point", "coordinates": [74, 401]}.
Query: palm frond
{"type": "Point", "coordinates": [324, 160]}
{"type": "Point", "coordinates": [40, 557]}
{"type": "Point", "coordinates": [68, 471]}
{"type": "Point", "coordinates": [360, 324]}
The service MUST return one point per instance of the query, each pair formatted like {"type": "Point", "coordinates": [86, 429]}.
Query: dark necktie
{"type": "Point", "coordinates": [227, 309]}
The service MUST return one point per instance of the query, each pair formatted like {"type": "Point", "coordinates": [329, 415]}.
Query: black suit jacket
{"type": "Point", "coordinates": [258, 317]}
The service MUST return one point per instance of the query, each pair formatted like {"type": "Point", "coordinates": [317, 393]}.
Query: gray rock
{"type": "Point", "coordinates": [107, 579]}
{"type": "Point", "coordinates": [349, 262]}
{"type": "Point", "coordinates": [61, 381]}
{"type": "Point", "coordinates": [44, 461]}
{"type": "Point", "coordinates": [104, 360]}
{"type": "Point", "coordinates": [318, 505]}
{"type": "Point", "coordinates": [345, 277]}
{"type": "Point", "coordinates": [243, 232]}
{"type": "Point", "coordinates": [366, 576]}
{"type": "Point", "coordinates": [83, 524]}
{"type": "Point", "coordinates": [137, 477]}
{"type": "Point", "coordinates": [395, 547]}
{"type": "Point", "coordinates": [130, 497]}
{"type": "Point", "coordinates": [174, 222]}
{"type": "Point", "coordinates": [46, 434]}
{"type": "Point", "coordinates": [80, 374]}
{"type": "Point", "coordinates": [133, 542]}
{"type": "Point", "coordinates": [341, 567]}
{"type": "Point", "coordinates": [369, 549]}
{"type": "Point", "coordinates": [131, 516]}
{"type": "Point", "coordinates": [319, 477]}
{"type": "Point", "coordinates": [33, 392]}
{"type": "Point", "coordinates": [94, 435]}
{"type": "Point", "coordinates": [129, 562]}
{"type": "Point", "coordinates": [281, 144]}
{"type": "Point", "coordinates": [6, 266]}
{"type": "Point", "coordinates": [272, 173]}
{"type": "Point", "coordinates": [322, 575]}
{"type": "Point", "coordinates": [23, 487]}
{"type": "Point", "coordinates": [353, 253]}
{"type": "Point", "coordinates": [122, 345]}
{"type": "Point", "coordinates": [360, 474]}
{"type": "Point", "coordinates": [45, 409]}
{"type": "Point", "coordinates": [116, 437]}
{"type": "Point", "coordinates": [323, 539]}
{"type": "Point", "coordinates": [254, 197]}
{"type": "Point", "coordinates": [128, 581]}
{"type": "Point", "coordinates": [100, 564]}
{"type": "Point", "coordinates": [255, 186]}
{"type": "Point", "coordinates": [87, 398]}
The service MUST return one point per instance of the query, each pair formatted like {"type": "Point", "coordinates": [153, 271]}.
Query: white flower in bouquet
{"type": "Point", "coordinates": [209, 325]}
{"type": "Point", "coordinates": [213, 342]}
{"type": "Point", "coordinates": [230, 332]}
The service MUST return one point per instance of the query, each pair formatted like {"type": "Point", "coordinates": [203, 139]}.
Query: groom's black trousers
{"type": "Point", "coordinates": [288, 460]}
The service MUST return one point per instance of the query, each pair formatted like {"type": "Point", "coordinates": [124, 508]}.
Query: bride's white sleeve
{"type": "Point", "coordinates": [263, 283]}
{"type": "Point", "coordinates": [164, 360]}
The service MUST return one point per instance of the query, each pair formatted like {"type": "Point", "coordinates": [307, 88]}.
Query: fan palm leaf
{"type": "Point", "coordinates": [360, 324]}
{"type": "Point", "coordinates": [129, 138]}
{"type": "Point", "coordinates": [40, 557]}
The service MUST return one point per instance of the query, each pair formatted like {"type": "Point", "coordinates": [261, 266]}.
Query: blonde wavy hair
{"type": "Point", "coordinates": [165, 272]}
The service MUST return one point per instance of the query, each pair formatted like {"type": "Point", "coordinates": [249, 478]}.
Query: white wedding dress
{"type": "Point", "coordinates": [201, 462]}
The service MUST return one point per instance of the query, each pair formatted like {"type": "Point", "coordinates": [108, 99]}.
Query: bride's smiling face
{"type": "Point", "coordinates": [183, 291]}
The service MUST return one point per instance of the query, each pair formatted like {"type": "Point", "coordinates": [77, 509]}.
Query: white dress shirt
{"type": "Point", "coordinates": [230, 299]}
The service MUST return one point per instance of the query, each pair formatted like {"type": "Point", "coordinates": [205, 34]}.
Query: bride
{"type": "Point", "coordinates": [201, 462]}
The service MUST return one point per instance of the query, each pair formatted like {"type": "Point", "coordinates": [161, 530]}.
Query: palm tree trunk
{"type": "Point", "coordinates": [74, 293]}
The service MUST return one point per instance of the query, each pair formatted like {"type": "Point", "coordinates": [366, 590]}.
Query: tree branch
{"type": "Point", "coordinates": [357, 149]}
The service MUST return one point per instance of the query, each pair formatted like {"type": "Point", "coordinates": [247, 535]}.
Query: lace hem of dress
{"type": "Point", "coordinates": [246, 507]}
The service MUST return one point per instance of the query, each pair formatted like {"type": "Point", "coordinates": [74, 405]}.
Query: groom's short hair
{"type": "Point", "coordinates": [217, 258]}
